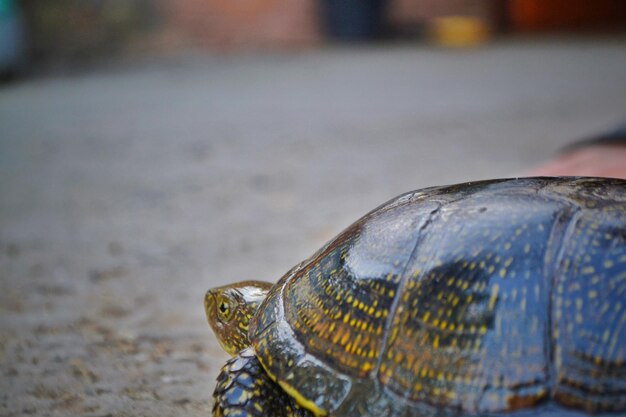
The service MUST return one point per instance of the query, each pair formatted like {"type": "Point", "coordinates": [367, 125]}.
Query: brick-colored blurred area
{"type": "Point", "coordinates": [77, 30]}
{"type": "Point", "coordinates": [245, 23]}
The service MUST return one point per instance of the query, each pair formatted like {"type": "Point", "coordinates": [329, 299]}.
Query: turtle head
{"type": "Point", "coordinates": [230, 308]}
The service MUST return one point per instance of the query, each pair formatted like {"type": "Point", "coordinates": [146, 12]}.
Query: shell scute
{"type": "Point", "coordinates": [340, 303]}
{"type": "Point", "coordinates": [471, 303]}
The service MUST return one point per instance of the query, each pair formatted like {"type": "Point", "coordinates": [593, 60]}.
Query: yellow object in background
{"type": "Point", "coordinates": [459, 31]}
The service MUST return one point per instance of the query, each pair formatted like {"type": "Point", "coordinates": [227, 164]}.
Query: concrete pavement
{"type": "Point", "coordinates": [127, 192]}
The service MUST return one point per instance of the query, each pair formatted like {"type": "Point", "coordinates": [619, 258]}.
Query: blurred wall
{"type": "Point", "coordinates": [78, 30]}
{"type": "Point", "coordinates": [244, 23]}
{"type": "Point", "coordinates": [70, 30]}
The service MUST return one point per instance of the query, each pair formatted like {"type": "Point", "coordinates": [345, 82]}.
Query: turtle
{"type": "Point", "coordinates": [491, 298]}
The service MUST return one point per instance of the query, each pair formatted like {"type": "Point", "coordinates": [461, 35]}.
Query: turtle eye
{"type": "Point", "coordinates": [224, 308]}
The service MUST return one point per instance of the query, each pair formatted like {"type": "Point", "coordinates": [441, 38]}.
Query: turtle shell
{"type": "Point", "coordinates": [472, 299]}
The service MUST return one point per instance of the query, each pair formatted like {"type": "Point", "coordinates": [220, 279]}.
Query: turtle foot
{"type": "Point", "coordinates": [245, 390]}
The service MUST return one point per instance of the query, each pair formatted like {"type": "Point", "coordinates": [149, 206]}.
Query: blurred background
{"type": "Point", "coordinates": [152, 149]}
{"type": "Point", "coordinates": [73, 32]}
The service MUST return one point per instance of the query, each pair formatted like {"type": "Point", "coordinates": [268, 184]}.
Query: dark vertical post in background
{"type": "Point", "coordinates": [353, 20]}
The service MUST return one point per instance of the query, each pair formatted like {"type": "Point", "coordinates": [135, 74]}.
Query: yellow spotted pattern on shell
{"type": "Point", "coordinates": [484, 297]}
{"type": "Point", "coordinates": [338, 314]}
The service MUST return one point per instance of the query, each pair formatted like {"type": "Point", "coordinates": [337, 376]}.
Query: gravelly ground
{"type": "Point", "coordinates": [126, 193]}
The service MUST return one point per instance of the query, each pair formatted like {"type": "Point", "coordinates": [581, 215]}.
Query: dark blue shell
{"type": "Point", "coordinates": [479, 298]}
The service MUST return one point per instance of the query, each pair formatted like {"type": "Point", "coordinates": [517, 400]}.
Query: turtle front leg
{"type": "Point", "coordinates": [245, 390]}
